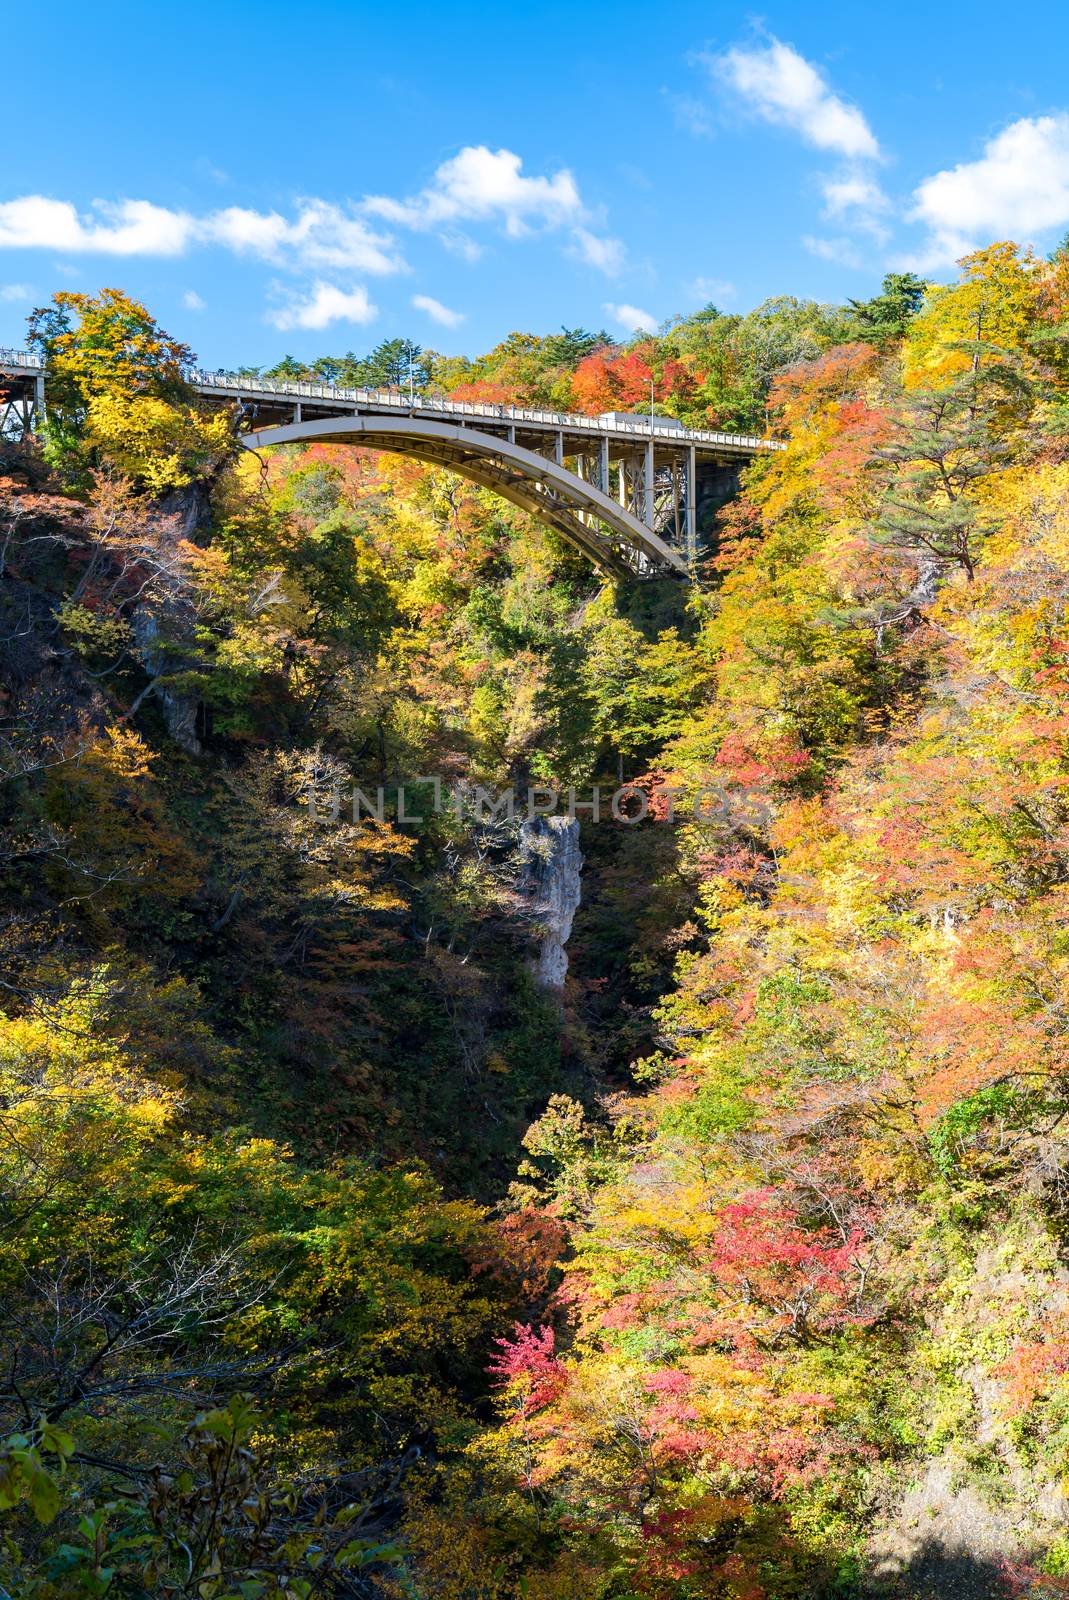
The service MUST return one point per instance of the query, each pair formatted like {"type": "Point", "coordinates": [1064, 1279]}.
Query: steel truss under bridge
{"type": "Point", "coordinates": [606, 531]}
{"type": "Point", "coordinates": [22, 393]}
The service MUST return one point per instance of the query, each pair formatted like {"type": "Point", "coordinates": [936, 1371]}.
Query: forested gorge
{"type": "Point", "coordinates": [338, 1257]}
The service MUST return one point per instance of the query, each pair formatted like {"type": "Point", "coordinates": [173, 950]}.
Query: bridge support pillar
{"type": "Point", "coordinates": [646, 512]}
{"type": "Point", "coordinates": [692, 507]}
{"type": "Point", "coordinates": [677, 473]}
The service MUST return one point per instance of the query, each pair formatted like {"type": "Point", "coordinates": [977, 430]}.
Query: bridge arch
{"type": "Point", "coordinates": [612, 537]}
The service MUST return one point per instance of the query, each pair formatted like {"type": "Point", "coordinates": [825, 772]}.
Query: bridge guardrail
{"type": "Point", "coordinates": [10, 357]}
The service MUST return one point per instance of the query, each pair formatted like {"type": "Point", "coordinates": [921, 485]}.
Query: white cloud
{"type": "Point", "coordinates": [437, 312]}
{"type": "Point", "coordinates": [216, 174]}
{"type": "Point", "coordinates": [258, 233]}
{"type": "Point", "coordinates": [479, 184]}
{"type": "Point", "coordinates": [781, 86]}
{"type": "Point", "coordinates": [631, 318]}
{"type": "Point", "coordinates": [324, 305]}
{"type": "Point", "coordinates": [691, 115]}
{"type": "Point", "coordinates": [319, 235]}
{"type": "Point", "coordinates": [855, 198]}
{"type": "Point", "coordinates": [608, 255]}
{"type": "Point", "coordinates": [1017, 188]}
{"type": "Point", "coordinates": [132, 227]}
{"type": "Point", "coordinates": [483, 185]}
{"type": "Point", "coordinates": [852, 191]}
{"type": "Point", "coordinates": [192, 301]}
{"type": "Point", "coordinates": [784, 88]}
{"type": "Point", "coordinates": [460, 244]}
{"type": "Point", "coordinates": [15, 291]}
{"type": "Point", "coordinates": [139, 228]}
{"type": "Point", "coordinates": [324, 235]}
{"type": "Point", "coordinates": [707, 289]}
{"type": "Point", "coordinates": [843, 252]}
{"type": "Point", "coordinates": [635, 176]}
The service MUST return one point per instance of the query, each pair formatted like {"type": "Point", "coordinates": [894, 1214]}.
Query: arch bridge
{"type": "Point", "coordinates": [630, 491]}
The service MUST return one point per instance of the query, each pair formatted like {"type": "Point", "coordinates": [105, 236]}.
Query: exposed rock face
{"type": "Point", "coordinates": [161, 624]}
{"type": "Point", "coordinates": [553, 862]}
{"type": "Point", "coordinates": [179, 711]}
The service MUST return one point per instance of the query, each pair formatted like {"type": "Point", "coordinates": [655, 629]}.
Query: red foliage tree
{"type": "Point", "coordinates": [527, 1364]}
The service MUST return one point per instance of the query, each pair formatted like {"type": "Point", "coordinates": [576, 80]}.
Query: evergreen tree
{"type": "Point", "coordinates": [888, 315]}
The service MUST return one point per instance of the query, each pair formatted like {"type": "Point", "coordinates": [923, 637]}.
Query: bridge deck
{"type": "Point", "coordinates": [275, 398]}
{"type": "Point", "coordinates": [319, 401]}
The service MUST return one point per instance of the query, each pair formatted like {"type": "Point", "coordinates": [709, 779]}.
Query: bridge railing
{"type": "Point", "coordinates": [20, 358]}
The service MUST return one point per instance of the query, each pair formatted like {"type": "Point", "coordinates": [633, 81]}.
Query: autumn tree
{"type": "Point", "coordinates": [990, 309]}
{"type": "Point", "coordinates": [945, 441]}
{"type": "Point", "coordinates": [117, 394]}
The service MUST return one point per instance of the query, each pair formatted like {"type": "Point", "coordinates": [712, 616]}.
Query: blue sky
{"type": "Point", "coordinates": [315, 177]}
